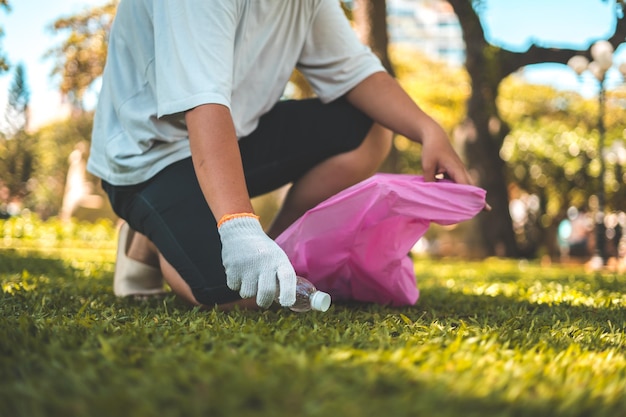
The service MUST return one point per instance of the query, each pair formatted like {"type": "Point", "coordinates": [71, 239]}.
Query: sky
{"type": "Point", "coordinates": [27, 38]}
{"type": "Point", "coordinates": [574, 24]}
{"type": "Point", "coordinates": [508, 23]}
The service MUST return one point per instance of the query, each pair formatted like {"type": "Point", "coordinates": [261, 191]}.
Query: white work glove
{"type": "Point", "coordinates": [255, 264]}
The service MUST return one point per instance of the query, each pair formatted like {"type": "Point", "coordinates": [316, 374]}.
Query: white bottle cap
{"type": "Point", "coordinates": [320, 301]}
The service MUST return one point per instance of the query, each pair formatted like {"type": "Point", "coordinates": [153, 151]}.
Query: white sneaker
{"type": "Point", "coordinates": [132, 277]}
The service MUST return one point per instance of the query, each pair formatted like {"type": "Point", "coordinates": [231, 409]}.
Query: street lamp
{"type": "Point", "coordinates": [602, 54]}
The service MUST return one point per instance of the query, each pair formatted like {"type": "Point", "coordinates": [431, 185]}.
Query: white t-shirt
{"type": "Point", "coordinates": [168, 56]}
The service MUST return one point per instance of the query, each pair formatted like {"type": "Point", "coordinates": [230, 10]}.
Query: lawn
{"type": "Point", "coordinates": [491, 338]}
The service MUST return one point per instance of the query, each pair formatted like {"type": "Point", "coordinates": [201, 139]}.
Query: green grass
{"type": "Point", "coordinates": [492, 338]}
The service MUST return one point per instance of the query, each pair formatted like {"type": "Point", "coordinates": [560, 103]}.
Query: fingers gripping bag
{"type": "Point", "coordinates": [355, 244]}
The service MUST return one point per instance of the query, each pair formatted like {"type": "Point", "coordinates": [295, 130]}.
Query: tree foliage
{"type": "Point", "coordinates": [33, 165]}
{"type": "Point", "coordinates": [440, 90]}
{"type": "Point", "coordinates": [552, 153]}
{"type": "Point", "coordinates": [16, 144]}
{"type": "Point", "coordinates": [80, 58]}
{"type": "Point", "coordinates": [488, 66]}
{"type": "Point", "coordinates": [48, 181]}
{"type": "Point", "coordinates": [4, 65]}
{"type": "Point", "coordinates": [16, 112]}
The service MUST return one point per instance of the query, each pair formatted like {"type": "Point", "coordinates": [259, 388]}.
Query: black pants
{"type": "Point", "coordinates": [172, 212]}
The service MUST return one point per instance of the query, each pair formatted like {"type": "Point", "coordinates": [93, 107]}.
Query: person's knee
{"type": "Point", "coordinates": [383, 139]}
{"type": "Point", "coordinates": [375, 148]}
{"type": "Point", "coordinates": [176, 282]}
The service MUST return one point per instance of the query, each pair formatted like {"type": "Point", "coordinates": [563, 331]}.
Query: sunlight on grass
{"type": "Point", "coordinates": [492, 338]}
{"type": "Point", "coordinates": [29, 232]}
{"type": "Point", "coordinates": [20, 283]}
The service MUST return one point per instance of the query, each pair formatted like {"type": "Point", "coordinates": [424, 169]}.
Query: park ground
{"type": "Point", "coordinates": [486, 338]}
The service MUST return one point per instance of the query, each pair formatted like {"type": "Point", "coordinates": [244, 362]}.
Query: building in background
{"type": "Point", "coordinates": [430, 26]}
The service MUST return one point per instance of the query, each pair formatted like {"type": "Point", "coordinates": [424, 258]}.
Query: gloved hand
{"type": "Point", "coordinates": [254, 263]}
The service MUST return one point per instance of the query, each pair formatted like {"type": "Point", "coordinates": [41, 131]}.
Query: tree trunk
{"type": "Point", "coordinates": [484, 133]}
{"type": "Point", "coordinates": [489, 170]}
{"type": "Point", "coordinates": [370, 17]}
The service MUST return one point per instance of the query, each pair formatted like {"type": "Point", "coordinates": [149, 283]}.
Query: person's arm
{"type": "Point", "coordinates": [383, 99]}
{"type": "Point", "coordinates": [255, 265]}
{"type": "Point", "coordinates": [217, 160]}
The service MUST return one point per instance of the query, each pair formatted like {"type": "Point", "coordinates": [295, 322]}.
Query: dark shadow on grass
{"type": "Point", "coordinates": [12, 262]}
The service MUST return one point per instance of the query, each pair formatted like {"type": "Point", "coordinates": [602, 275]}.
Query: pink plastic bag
{"type": "Point", "coordinates": [355, 244]}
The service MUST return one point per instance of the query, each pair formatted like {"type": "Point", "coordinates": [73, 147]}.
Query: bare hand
{"type": "Point", "coordinates": [440, 160]}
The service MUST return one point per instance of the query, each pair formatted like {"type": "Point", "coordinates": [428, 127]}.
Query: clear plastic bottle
{"type": "Point", "coordinates": [309, 298]}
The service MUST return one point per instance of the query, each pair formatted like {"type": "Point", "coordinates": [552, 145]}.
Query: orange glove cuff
{"type": "Point", "coordinates": [228, 217]}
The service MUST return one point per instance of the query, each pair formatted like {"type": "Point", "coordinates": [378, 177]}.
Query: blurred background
{"type": "Point", "coordinates": [531, 93]}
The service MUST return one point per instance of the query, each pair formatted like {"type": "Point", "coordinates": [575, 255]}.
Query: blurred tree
{"type": "Point", "coordinates": [370, 23]}
{"type": "Point", "coordinates": [551, 153]}
{"type": "Point", "coordinates": [48, 181]}
{"type": "Point", "coordinates": [16, 112]}
{"type": "Point", "coordinates": [439, 89]}
{"type": "Point", "coordinates": [4, 66]}
{"type": "Point", "coordinates": [485, 131]}
{"type": "Point", "coordinates": [370, 18]}
{"type": "Point", "coordinates": [16, 144]}
{"type": "Point", "coordinates": [80, 58]}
